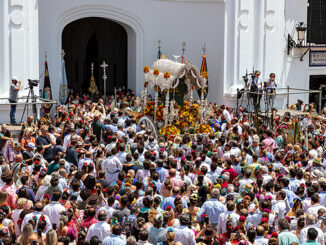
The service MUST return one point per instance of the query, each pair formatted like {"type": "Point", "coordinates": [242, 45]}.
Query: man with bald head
{"type": "Point", "coordinates": [170, 200]}
{"type": "Point", "coordinates": [29, 124]}
{"type": "Point", "coordinates": [260, 239]}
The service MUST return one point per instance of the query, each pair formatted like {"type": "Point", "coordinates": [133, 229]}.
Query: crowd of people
{"type": "Point", "coordinates": [92, 176]}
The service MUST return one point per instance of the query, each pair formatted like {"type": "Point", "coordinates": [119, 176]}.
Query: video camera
{"type": "Point", "coordinates": [33, 83]}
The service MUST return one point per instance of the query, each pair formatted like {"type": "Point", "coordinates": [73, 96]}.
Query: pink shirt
{"type": "Point", "coordinates": [88, 222]}
{"type": "Point", "coordinates": [269, 141]}
{"type": "Point", "coordinates": [177, 182]}
{"type": "Point", "coordinates": [11, 200]}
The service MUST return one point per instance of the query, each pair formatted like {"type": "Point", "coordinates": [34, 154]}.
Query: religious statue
{"type": "Point", "coordinates": [93, 87]}
{"type": "Point", "coordinates": [137, 104]}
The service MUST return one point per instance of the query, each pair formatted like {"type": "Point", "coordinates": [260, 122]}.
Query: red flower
{"type": "Point", "coordinates": [168, 208]}
{"type": "Point", "coordinates": [263, 220]}
{"type": "Point", "coordinates": [42, 218]}
{"type": "Point", "coordinates": [203, 216]}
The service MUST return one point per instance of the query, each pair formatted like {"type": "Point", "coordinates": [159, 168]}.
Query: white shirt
{"type": "Point", "coordinates": [66, 141]}
{"type": "Point", "coordinates": [280, 210]}
{"type": "Point", "coordinates": [109, 211]}
{"type": "Point", "coordinates": [86, 160]}
{"type": "Point", "coordinates": [112, 166]}
{"type": "Point", "coordinates": [53, 210]}
{"type": "Point", "coordinates": [122, 156]}
{"type": "Point", "coordinates": [40, 192]}
{"type": "Point", "coordinates": [314, 209]}
{"type": "Point", "coordinates": [256, 217]}
{"type": "Point", "coordinates": [185, 235]}
{"type": "Point", "coordinates": [100, 229]}
{"type": "Point", "coordinates": [304, 233]}
{"type": "Point", "coordinates": [38, 215]}
{"type": "Point", "coordinates": [227, 115]}
{"type": "Point", "coordinates": [224, 217]}
{"type": "Point", "coordinates": [258, 82]}
{"type": "Point", "coordinates": [243, 182]}
{"type": "Point", "coordinates": [15, 217]}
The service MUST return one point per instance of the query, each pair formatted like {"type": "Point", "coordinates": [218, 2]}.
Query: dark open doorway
{"type": "Point", "coordinates": [317, 82]}
{"type": "Point", "coordinates": [94, 40]}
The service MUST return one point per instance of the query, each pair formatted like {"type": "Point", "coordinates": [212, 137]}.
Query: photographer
{"type": "Point", "coordinates": [13, 98]}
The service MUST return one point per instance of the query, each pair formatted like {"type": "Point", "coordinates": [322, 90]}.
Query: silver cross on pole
{"type": "Point", "coordinates": [183, 47]}
{"type": "Point", "coordinates": [204, 48]}
{"type": "Point", "coordinates": [104, 66]}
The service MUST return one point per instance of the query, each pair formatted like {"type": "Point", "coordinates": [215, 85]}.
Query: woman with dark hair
{"type": "Point", "coordinates": [300, 225]}
{"type": "Point", "coordinates": [251, 234]}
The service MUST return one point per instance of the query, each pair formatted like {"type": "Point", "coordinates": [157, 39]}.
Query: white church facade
{"type": "Point", "coordinates": [239, 35]}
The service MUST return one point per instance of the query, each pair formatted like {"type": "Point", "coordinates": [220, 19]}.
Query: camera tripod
{"type": "Point", "coordinates": [32, 96]}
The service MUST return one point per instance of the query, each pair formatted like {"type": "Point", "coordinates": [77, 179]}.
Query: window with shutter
{"type": "Point", "coordinates": [316, 32]}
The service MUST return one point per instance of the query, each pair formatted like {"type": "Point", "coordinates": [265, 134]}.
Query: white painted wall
{"type": "Point", "coordinates": [196, 22]}
{"type": "Point", "coordinates": [239, 34]}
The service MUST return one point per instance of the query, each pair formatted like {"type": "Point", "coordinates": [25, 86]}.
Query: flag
{"type": "Point", "coordinates": [47, 93]}
{"type": "Point", "coordinates": [204, 73]}
{"type": "Point", "coordinates": [63, 91]}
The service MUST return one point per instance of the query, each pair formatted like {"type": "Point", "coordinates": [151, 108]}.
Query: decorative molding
{"type": "Point", "coordinates": [195, 1]}
{"type": "Point", "coordinates": [270, 21]}
{"type": "Point", "coordinates": [244, 20]}
{"type": "Point", "coordinates": [17, 18]}
{"type": "Point", "coordinates": [19, 3]}
{"type": "Point", "coordinates": [115, 14]}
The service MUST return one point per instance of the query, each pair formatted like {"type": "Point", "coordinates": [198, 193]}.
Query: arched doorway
{"type": "Point", "coordinates": [94, 40]}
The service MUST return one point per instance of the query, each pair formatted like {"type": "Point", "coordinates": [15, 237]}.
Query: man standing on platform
{"type": "Point", "coordinates": [13, 98]}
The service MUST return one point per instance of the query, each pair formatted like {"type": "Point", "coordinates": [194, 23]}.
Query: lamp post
{"type": "Point", "coordinates": [301, 31]}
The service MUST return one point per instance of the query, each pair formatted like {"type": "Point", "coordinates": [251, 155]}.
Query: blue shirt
{"type": "Point", "coordinates": [310, 242]}
{"type": "Point", "coordinates": [161, 172]}
{"type": "Point", "coordinates": [212, 208]}
{"type": "Point", "coordinates": [170, 202]}
{"type": "Point", "coordinates": [290, 196]}
{"type": "Point", "coordinates": [114, 240]}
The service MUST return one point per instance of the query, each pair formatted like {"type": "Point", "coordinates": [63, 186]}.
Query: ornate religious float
{"type": "Point", "coordinates": [173, 109]}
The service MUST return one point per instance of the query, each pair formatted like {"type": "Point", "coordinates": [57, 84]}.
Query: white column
{"type": "Point", "coordinates": [273, 26]}
{"type": "Point", "coordinates": [239, 42]}
{"type": "Point", "coordinates": [20, 42]}
{"type": "Point", "coordinates": [4, 49]}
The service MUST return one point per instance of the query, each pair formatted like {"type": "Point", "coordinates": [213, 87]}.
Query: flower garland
{"type": "Point", "coordinates": [149, 109]}
{"type": "Point", "coordinates": [156, 72]}
{"type": "Point", "coordinates": [169, 130]}
{"type": "Point", "coordinates": [203, 129]}
{"type": "Point", "coordinates": [146, 69]}
{"type": "Point", "coordinates": [194, 109]}
{"type": "Point", "coordinates": [159, 113]}
{"type": "Point", "coordinates": [186, 117]}
{"type": "Point", "coordinates": [167, 75]}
